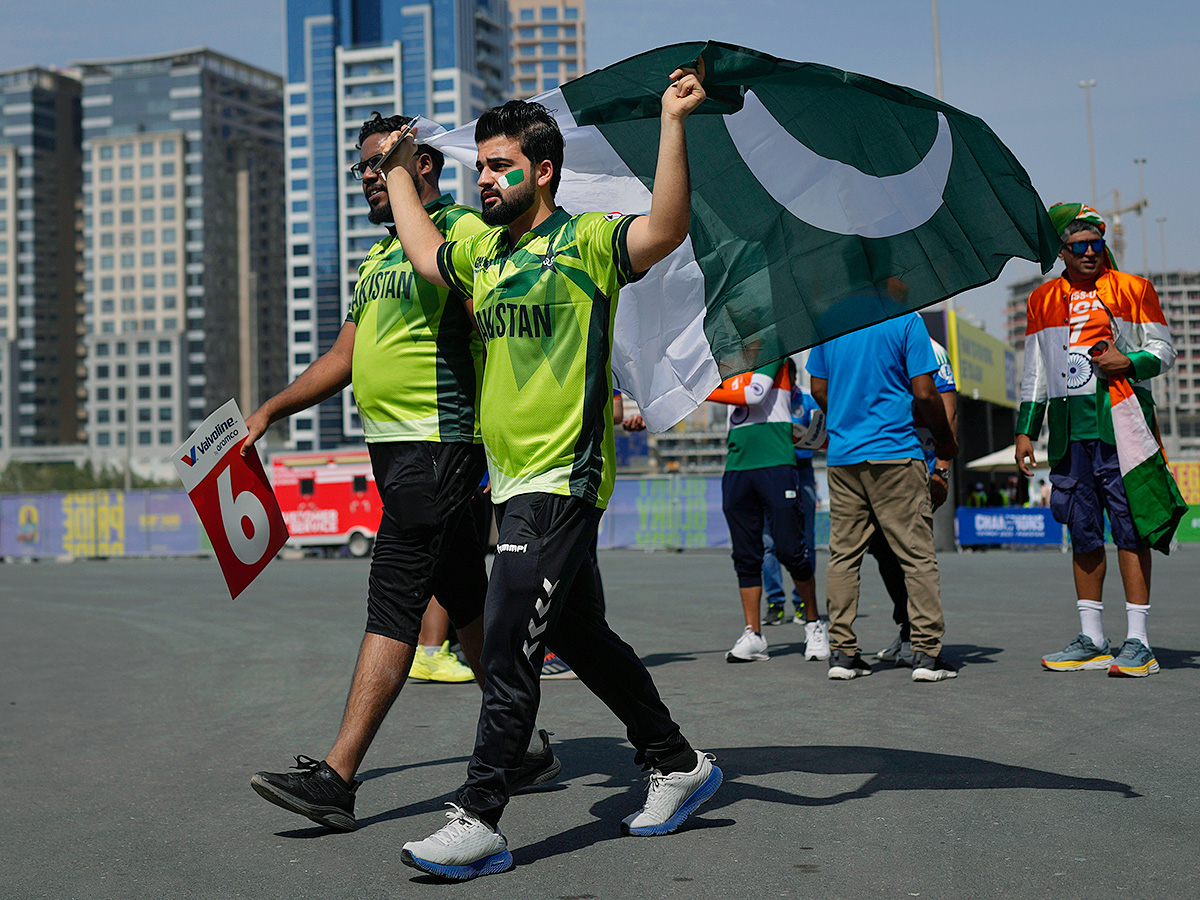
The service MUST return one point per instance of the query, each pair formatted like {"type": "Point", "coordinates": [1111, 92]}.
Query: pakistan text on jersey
{"type": "Point", "coordinates": [389, 282]}
{"type": "Point", "coordinates": [515, 320]}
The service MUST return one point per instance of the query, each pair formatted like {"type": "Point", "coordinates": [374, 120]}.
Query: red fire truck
{"type": "Point", "coordinates": [328, 498]}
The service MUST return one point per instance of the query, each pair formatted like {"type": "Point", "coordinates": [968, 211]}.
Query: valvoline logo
{"type": "Point", "coordinates": [189, 459]}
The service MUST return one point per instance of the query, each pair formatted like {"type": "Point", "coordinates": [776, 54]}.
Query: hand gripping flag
{"type": "Point", "coordinates": [822, 202]}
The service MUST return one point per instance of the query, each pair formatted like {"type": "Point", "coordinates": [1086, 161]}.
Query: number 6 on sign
{"type": "Point", "coordinates": [232, 496]}
{"type": "Point", "coordinates": [233, 510]}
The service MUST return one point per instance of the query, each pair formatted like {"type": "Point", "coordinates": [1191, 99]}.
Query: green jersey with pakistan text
{"type": "Point", "coordinates": [545, 308]}
{"type": "Point", "coordinates": [417, 359]}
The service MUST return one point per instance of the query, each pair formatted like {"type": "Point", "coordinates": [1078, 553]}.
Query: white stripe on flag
{"type": "Point", "coordinates": [1135, 442]}
{"type": "Point", "coordinates": [661, 355]}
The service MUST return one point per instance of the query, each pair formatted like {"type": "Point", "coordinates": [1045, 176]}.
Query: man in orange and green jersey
{"type": "Point", "coordinates": [416, 362]}
{"type": "Point", "coordinates": [1092, 324]}
{"type": "Point", "coordinates": [544, 286]}
{"type": "Point", "coordinates": [761, 485]}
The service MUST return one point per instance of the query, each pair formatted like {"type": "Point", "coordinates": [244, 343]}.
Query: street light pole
{"type": "Point", "coordinates": [1087, 90]}
{"type": "Point", "coordinates": [1142, 204]}
{"type": "Point", "coordinates": [937, 52]}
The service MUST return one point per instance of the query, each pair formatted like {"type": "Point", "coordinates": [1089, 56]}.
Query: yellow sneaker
{"type": "Point", "coordinates": [442, 666]}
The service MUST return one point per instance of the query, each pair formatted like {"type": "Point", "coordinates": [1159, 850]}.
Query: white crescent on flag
{"type": "Point", "coordinates": [832, 195]}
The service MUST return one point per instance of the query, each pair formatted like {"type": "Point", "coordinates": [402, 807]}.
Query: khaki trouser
{"type": "Point", "coordinates": [893, 496]}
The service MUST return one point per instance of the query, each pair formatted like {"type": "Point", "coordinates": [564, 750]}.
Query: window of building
{"type": "Point", "coordinates": [571, 12]}
{"type": "Point", "coordinates": [127, 173]}
{"type": "Point", "coordinates": [166, 146]}
{"type": "Point", "coordinates": [526, 15]}
{"type": "Point", "coordinates": [549, 31]}
{"type": "Point", "coordinates": [106, 152]}
{"type": "Point", "coordinates": [550, 13]}
{"type": "Point", "coordinates": [549, 84]}
{"type": "Point", "coordinates": [147, 148]}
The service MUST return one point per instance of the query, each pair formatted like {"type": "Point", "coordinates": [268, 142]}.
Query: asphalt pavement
{"type": "Point", "coordinates": [137, 699]}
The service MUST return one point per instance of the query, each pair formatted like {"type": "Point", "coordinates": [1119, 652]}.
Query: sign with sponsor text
{"type": "Point", "coordinates": [232, 496]}
{"type": "Point", "coordinates": [1007, 525]}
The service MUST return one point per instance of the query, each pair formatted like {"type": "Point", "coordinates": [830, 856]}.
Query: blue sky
{"type": "Point", "coordinates": [1016, 65]}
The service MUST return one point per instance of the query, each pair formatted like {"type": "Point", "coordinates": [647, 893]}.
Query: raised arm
{"type": "Point", "coordinates": [320, 381]}
{"type": "Point", "coordinates": [418, 235]}
{"type": "Point", "coordinates": [651, 238]}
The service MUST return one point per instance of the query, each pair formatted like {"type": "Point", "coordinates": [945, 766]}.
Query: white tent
{"type": "Point", "coordinates": [1005, 460]}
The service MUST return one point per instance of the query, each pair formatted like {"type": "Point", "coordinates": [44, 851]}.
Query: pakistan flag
{"type": "Point", "coordinates": [822, 202]}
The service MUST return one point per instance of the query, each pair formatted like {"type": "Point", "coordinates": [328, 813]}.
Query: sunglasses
{"type": "Point", "coordinates": [360, 168]}
{"type": "Point", "coordinates": [1081, 247]}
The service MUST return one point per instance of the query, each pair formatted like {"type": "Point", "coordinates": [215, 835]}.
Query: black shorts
{"type": "Point", "coordinates": [428, 541]}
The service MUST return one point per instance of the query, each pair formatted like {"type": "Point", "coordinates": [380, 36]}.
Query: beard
{"type": "Point", "coordinates": [378, 215]}
{"type": "Point", "coordinates": [518, 202]}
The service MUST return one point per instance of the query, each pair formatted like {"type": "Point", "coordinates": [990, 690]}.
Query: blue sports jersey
{"type": "Point", "coordinates": [869, 414]}
{"type": "Point", "coordinates": [803, 404]}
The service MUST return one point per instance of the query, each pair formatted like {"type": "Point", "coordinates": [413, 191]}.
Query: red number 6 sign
{"type": "Point", "coordinates": [233, 497]}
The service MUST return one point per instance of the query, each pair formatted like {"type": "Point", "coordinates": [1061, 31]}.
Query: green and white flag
{"type": "Point", "coordinates": [822, 202]}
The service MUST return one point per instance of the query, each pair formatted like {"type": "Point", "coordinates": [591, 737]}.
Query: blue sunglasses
{"type": "Point", "coordinates": [1081, 247]}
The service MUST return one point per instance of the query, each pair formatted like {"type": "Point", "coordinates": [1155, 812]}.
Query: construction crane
{"type": "Point", "coordinates": [1116, 236]}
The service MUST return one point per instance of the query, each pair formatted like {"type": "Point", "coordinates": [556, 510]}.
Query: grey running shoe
{"type": "Point", "coordinates": [843, 666]}
{"type": "Point", "coordinates": [537, 767]}
{"type": "Point", "coordinates": [898, 652]}
{"type": "Point", "coordinates": [775, 615]}
{"type": "Point", "coordinates": [931, 668]}
{"type": "Point", "coordinates": [1078, 655]}
{"type": "Point", "coordinates": [1135, 660]}
{"type": "Point", "coordinates": [315, 792]}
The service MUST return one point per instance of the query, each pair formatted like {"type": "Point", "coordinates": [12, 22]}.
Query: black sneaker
{"type": "Point", "coordinates": [537, 767]}
{"type": "Point", "coordinates": [843, 666]}
{"type": "Point", "coordinates": [316, 791]}
{"type": "Point", "coordinates": [931, 668]}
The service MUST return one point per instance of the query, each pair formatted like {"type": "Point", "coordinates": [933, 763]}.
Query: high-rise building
{"type": "Point", "coordinates": [183, 244]}
{"type": "Point", "coordinates": [41, 371]}
{"type": "Point", "coordinates": [1177, 392]}
{"type": "Point", "coordinates": [546, 38]}
{"type": "Point", "coordinates": [444, 59]}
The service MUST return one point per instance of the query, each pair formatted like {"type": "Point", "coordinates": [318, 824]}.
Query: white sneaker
{"type": "Point", "coordinates": [672, 798]}
{"type": "Point", "coordinates": [461, 850]}
{"type": "Point", "coordinates": [749, 647]}
{"type": "Point", "coordinates": [816, 640]}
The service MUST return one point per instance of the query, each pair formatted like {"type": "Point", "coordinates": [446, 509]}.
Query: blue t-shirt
{"type": "Point", "coordinates": [869, 413]}
{"type": "Point", "coordinates": [803, 404]}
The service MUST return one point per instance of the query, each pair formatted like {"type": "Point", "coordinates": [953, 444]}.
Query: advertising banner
{"type": "Point", "coordinates": [1007, 525]}
{"type": "Point", "coordinates": [985, 368]}
{"type": "Point", "coordinates": [99, 523]}
{"type": "Point", "coordinates": [232, 496]}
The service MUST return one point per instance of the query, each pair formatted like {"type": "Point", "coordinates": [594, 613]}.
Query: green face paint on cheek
{"type": "Point", "coordinates": [511, 177]}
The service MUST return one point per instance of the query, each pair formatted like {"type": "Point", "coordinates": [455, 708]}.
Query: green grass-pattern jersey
{"type": "Point", "coordinates": [418, 362]}
{"type": "Point", "coordinates": [545, 309]}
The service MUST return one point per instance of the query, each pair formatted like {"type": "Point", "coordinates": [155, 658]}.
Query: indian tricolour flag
{"type": "Point", "coordinates": [822, 202]}
{"type": "Point", "coordinates": [1154, 499]}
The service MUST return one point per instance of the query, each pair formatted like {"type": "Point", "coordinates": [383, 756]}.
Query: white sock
{"type": "Point", "coordinates": [1091, 620]}
{"type": "Point", "coordinates": [429, 651]}
{"type": "Point", "coordinates": [1136, 617]}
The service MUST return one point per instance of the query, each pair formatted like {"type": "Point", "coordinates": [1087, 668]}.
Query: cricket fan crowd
{"type": "Point", "coordinates": [532, 420]}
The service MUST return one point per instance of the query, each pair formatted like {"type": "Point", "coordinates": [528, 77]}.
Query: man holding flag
{"type": "Point", "coordinates": [1093, 338]}
{"type": "Point", "coordinates": [543, 286]}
